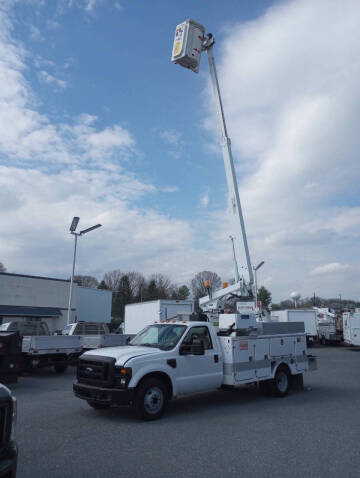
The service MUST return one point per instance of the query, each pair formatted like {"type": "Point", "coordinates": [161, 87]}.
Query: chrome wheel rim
{"type": "Point", "coordinates": [153, 400]}
{"type": "Point", "coordinates": [282, 382]}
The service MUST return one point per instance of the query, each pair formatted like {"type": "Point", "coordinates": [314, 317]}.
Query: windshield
{"type": "Point", "coordinates": [66, 330]}
{"type": "Point", "coordinates": [4, 327]}
{"type": "Point", "coordinates": [162, 336]}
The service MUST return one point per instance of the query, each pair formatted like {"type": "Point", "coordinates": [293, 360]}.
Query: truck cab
{"type": "Point", "coordinates": [85, 328]}
{"type": "Point", "coordinates": [26, 327]}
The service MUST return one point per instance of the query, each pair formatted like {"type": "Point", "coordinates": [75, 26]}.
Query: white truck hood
{"type": "Point", "coordinates": [123, 353]}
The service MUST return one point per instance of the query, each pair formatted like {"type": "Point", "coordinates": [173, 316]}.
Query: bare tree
{"type": "Point", "coordinates": [163, 285]}
{"type": "Point", "coordinates": [112, 279]}
{"type": "Point", "coordinates": [2, 267]}
{"type": "Point", "coordinates": [87, 281]}
{"type": "Point", "coordinates": [198, 288]}
{"type": "Point", "coordinates": [137, 284]}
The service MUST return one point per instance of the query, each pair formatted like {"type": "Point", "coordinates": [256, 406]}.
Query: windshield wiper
{"type": "Point", "coordinates": [149, 345]}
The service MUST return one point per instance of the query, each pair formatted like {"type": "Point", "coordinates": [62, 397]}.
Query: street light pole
{"type": "Point", "coordinates": [73, 227]}
{"type": "Point", "coordinates": [72, 278]}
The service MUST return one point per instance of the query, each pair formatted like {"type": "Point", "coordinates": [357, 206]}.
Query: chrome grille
{"type": "Point", "coordinates": [94, 370]}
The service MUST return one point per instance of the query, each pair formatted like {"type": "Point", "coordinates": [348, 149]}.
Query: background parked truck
{"type": "Point", "coordinates": [308, 316]}
{"type": "Point", "coordinates": [138, 316]}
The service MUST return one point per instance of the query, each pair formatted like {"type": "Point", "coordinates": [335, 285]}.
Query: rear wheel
{"type": "Point", "coordinates": [98, 406]}
{"type": "Point", "coordinates": [281, 382]}
{"type": "Point", "coordinates": [60, 368]}
{"type": "Point", "coordinates": [151, 398]}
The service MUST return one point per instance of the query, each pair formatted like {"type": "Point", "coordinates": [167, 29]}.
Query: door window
{"type": "Point", "coordinates": [79, 329]}
{"type": "Point", "coordinates": [199, 333]}
{"type": "Point", "coordinates": [91, 329]}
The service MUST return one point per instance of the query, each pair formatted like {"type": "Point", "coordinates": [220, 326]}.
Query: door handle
{"type": "Point", "coordinates": [216, 358]}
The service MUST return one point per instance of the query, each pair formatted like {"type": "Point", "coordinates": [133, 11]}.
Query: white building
{"type": "Point", "coordinates": [48, 298]}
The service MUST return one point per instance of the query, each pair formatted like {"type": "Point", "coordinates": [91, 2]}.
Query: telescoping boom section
{"type": "Point", "coordinates": [190, 40]}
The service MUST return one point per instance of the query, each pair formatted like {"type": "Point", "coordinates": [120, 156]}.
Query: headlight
{"type": "Point", "coordinates": [122, 376]}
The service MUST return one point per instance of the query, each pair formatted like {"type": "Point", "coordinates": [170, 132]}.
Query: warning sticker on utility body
{"type": "Point", "coordinates": [243, 345]}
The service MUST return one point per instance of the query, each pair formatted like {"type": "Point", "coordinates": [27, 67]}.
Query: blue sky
{"type": "Point", "coordinates": [97, 122]}
{"type": "Point", "coordinates": [114, 59]}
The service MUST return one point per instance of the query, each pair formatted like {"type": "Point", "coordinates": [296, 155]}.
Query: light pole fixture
{"type": "Point", "coordinates": [256, 287]}
{"type": "Point", "coordinates": [73, 227]}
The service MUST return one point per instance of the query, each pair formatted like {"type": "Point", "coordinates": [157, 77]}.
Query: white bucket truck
{"type": "Point", "coordinates": [172, 358]}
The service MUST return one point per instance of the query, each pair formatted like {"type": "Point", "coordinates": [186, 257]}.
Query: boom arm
{"type": "Point", "coordinates": [227, 153]}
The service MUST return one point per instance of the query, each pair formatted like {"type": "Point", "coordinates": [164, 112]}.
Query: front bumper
{"type": "Point", "coordinates": [108, 396]}
{"type": "Point", "coordinates": [8, 463]}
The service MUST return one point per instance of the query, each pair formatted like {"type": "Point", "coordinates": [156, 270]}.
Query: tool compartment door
{"type": "Point", "coordinates": [244, 359]}
{"type": "Point", "coordinates": [300, 353]}
{"type": "Point", "coordinates": [262, 360]}
{"type": "Point", "coordinates": [281, 346]}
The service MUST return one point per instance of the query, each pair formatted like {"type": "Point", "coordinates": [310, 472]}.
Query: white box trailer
{"type": "Point", "coordinates": [138, 316]}
{"type": "Point", "coordinates": [308, 316]}
{"type": "Point", "coordinates": [351, 328]}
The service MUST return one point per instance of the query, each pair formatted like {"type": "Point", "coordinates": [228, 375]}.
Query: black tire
{"type": "Point", "coordinates": [281, 383]}
{"type": "Point", "coordinates": [98, 406]}
{"type": "Point", "coordinates": [60, 368]}
{"type": "Point", "coordinates": [150, 399]}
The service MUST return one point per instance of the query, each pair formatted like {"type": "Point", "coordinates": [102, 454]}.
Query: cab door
{"type": "Point", "coordinates": [199, 372]}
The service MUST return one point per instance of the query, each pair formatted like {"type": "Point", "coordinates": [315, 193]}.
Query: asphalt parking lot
{"type": "Point", "coordinates": [315, 433]}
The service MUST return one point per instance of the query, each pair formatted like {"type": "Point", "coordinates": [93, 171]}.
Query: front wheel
{"type": "Point", "coordinates": [281, 383]}
{"type": "Point", "coordinates": [150, 399]}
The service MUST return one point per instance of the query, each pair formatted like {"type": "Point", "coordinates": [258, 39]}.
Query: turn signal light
{"type": "Point", "coordinates": [126, 371]}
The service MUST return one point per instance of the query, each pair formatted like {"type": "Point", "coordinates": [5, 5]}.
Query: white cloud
{"type": "Point", "coordinates": [90, 5]}
{"type": "Point", "coordinates": [170, 189]}
{"type": "Point", "coordinates": [204, 200]}
{"type": "Point", "coordinates": [332, 268]}
{"type": "Point", "coordinates": [171, 136]}
{"type": "Point", "coordinates": [46, 77]}
{"type": "Point", "coordinates": [118, 6]}
{"type": "Point", "coordinates": [288, 81]}
{"type": "Point", "coordinates": [35, 33]}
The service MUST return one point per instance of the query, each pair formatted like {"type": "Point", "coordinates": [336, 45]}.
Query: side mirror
{"type": "Point", "coordinates": [128, 340]}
